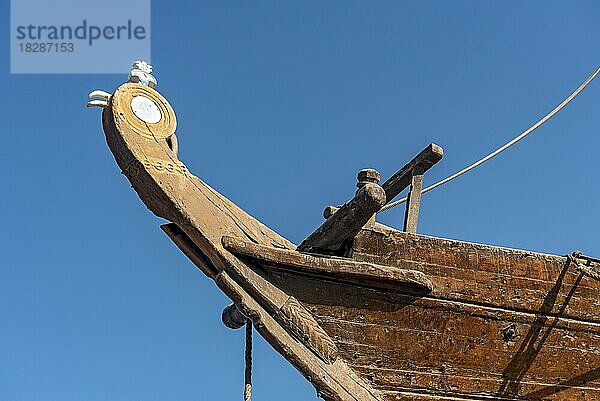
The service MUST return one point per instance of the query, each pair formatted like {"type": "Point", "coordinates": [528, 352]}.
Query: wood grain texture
{"type": "Point", "coordinates": [402, 178]}
{"type": "Point", "coordinates": [487, 275]}
{"type": "Point", "coordinates": [203, 217]}
{"type": "Point", "coordinates": [333, 236]}
{"type": "Point", "coordinates": [334, 382]}
{"type": "Point", "coordinates": [413, 203]}
{"type": "Point", "coordinates": [454, 349]}
{"type": "Point", "coordinates": [306, 329]}
{"type": "Point", "coordinates": [495, 323]}
{"type": "Point", "coordinates": [527, 323]}
{"type": "Point", "coordinates": [334, 268]}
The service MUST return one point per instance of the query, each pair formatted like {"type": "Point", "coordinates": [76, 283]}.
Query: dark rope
{"type": "Point", "coordinates": [588, 266]}
{"type": "Point", "coordinates": [248, 355]}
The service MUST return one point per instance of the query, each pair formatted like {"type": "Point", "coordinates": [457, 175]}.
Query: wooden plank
{"type": "Point", "coordinates": [420, 395]}
{"type": "Point", "coordinates": [485, 388]}
{"type": "Point", "coordinates": [409, 394]}
{"type": "Point", "coordinates": [402, 178]}
{"type": "Point", "coordinates": [344, 300]}
{"type": "Point", "coordinates": [441, 349]}
{"type": "Point", "coordinates": [342, 269]}
{"type": "Point", "coordinates": [400, 332]}
{"type": "Point", "coordinates": [487, 275]}
{"type": "Point", "coordinates": [565, 296]}
{"type": "Point", "coordinates": [431, 386]}
{"type": "Point", "coordinates": [333, 236]}
{"type": "Point", "coordinates": [413, 203]}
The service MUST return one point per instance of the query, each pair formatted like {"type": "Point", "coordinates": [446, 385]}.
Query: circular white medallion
{"type": "Point", "coordinates": [145, 109]}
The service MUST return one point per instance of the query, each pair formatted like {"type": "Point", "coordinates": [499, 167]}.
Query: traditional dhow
{"type": "Point", "coordinates": [366, 312]}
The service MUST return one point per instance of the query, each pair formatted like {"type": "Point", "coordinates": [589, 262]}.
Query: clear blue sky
{"type": "Point", "coordinates": [279, 104]}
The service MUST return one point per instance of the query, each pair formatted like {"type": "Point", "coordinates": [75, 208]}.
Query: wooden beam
{"type": "Point", "coordinates": [411, 216]}
{"type": "Point", "coordinates": [190, 249]}
{"type": "Point", "coordinates": [402, 178]}
{"type": "Point", "coordinates": [339, 269]}
{"type": "Point", "coordinates": [345, 223]}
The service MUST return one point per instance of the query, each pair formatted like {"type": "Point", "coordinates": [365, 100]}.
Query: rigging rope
{"type": "Point", "coordinates": [589, 266]}
{"type": "Point", "coordinates": [248, 357]}
{"type": "Point", "coordinates": [505, 146]}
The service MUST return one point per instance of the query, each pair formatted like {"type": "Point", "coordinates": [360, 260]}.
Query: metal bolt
{"type": "Point", "coordinates": [329, 211]}
{"type": "Point", "coordinates": [368, 175]}
{"type": "Point", "coordinates": [233, 318]}
{"type": "Point", "coordinates": [509, 333]}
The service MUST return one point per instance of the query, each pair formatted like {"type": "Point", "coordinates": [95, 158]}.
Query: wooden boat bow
{"type": "Point", "coordinates": [203, 217]}
{"type": "Point", "coordinates": [363, 311]}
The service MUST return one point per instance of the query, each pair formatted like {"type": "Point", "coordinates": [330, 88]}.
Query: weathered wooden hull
{"type": "Point", "coordinates": [404, 317]}
{"type": "Point", "coordinates": [499, 323]}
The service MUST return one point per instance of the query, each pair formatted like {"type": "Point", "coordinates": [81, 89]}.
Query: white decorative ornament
{"type": "Point", "coordinates": [145, 109]}
{"type": "Point", "coordinates": [98, 98]}
{"type": "Point", "coordinates": [141, 72]}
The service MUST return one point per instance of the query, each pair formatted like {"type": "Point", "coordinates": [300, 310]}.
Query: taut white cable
{"type": "Point", "coordinates": [505, 146]}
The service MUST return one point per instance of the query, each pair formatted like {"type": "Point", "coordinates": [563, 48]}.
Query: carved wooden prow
{"type": "Point", "coordinates": [412, 174]}
{"type": "Point", "coordinates": [343, 224]}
